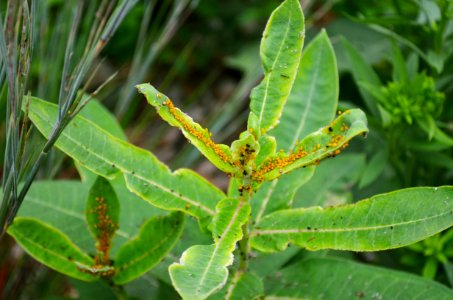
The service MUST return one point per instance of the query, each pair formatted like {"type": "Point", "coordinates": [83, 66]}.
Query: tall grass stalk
{"type": "Point", "coordinates": [16, 45]}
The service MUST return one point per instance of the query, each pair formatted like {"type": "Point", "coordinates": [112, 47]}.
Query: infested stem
{"type": "Point", "coordinates": [244, 248]}
{"type": "Point", "coordinates": [243, 245]}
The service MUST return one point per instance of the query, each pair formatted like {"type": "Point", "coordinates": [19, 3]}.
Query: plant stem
{"type": "Point", "coordinates": [244, 248]}
{"type": "Point", "coordinates": [243, 245]}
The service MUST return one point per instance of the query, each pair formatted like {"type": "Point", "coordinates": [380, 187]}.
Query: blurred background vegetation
{"type": "Point", "coordinates": [395, 62]}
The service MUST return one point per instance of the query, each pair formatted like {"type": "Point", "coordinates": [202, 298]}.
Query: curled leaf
{"type": "Point", "coordinates": [326, 142]}
{"type": "Point", "coordinates": [200, 137]}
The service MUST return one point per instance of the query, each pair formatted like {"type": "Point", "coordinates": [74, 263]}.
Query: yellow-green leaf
{"type": "Point", "coordinates": [281, 49]}
{"type": "Point", "coordinates": [200, 137]}
{"type": "Point", "coordinates": [382, 222]}
{"type": "Point", "coordinates": [202, 269]}
{"type": "Point", "coordinates": [327, 141]}
{"type": "Point", "coordinates": [314, 97]}
{"type": "Point", "coordinates": [51, 247]}
{"type": "Point", "coordinates": [311, 104]}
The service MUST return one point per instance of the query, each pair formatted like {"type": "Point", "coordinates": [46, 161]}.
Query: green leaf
{"type": "Point", "coordinates": [314, 96]}
{"type": "Point", "coordinates": [264, 264]}
{"type": "Point", "coordinates": [374, 168]}
{"type": "Point", "coordinates": [362, 72]}
{"type": "Point", "coordinates": [103, 217]}
{"type": "Point", "coordinates": [327, 141]}
{"type": "Point", "coordinates": [412, 63]}
{"type": "Point", "coordinates": [245, 286]}
{"type": "Point", "coordinates": [399, 71]}
{"type": "Point", "coordinates": [382, 222]}
{"type": "Point", "coordinates": [156, 238]}
{"type": "Point", "coordinates": [433, 60]}
{"type": "Point", "coordinates": [191, 236]}
{"type": "Point", "coordinates": [332, 278]}
{"type": "Point", "coordinates": [267, 146]}
{"type": "Point", "coordinates": [373, 46]}
{"type": "Point", "coordinates": [51, 247]}
{"type": "Point", "coordinates": [203, 269]}
{"type": "Point", "coordinates": [61, 204]}
{"type": "Point", "coordinates": [244, 151]}
{"type": "Point", "coordinates": [145, 175]}
{"type": "Point", "coordinates": [241, 286]}
{"type": "Point", "coordinates": [200, 137]}
{"type": "Point", "coordinates": [281, 48]}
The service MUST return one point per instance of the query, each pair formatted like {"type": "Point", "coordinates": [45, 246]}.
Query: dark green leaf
{"type": "Point", "coordinates": [382, 222]}
{"type": "Point", "coordinates": [103, 217]}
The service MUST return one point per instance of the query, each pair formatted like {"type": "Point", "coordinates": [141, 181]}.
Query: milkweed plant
{"type": "Point", "coordinates": [254, 232]}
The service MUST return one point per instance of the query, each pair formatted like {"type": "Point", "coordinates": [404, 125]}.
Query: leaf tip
{"type": "Point", "coordinates": [142, 87]}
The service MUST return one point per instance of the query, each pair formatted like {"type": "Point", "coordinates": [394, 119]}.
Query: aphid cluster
{"type": "Point", "coordinates": [106, 229]}
{"type": "Point", "coordinates": [278, 163]}
{"type": "Point", "coordinates": [200, 135]}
